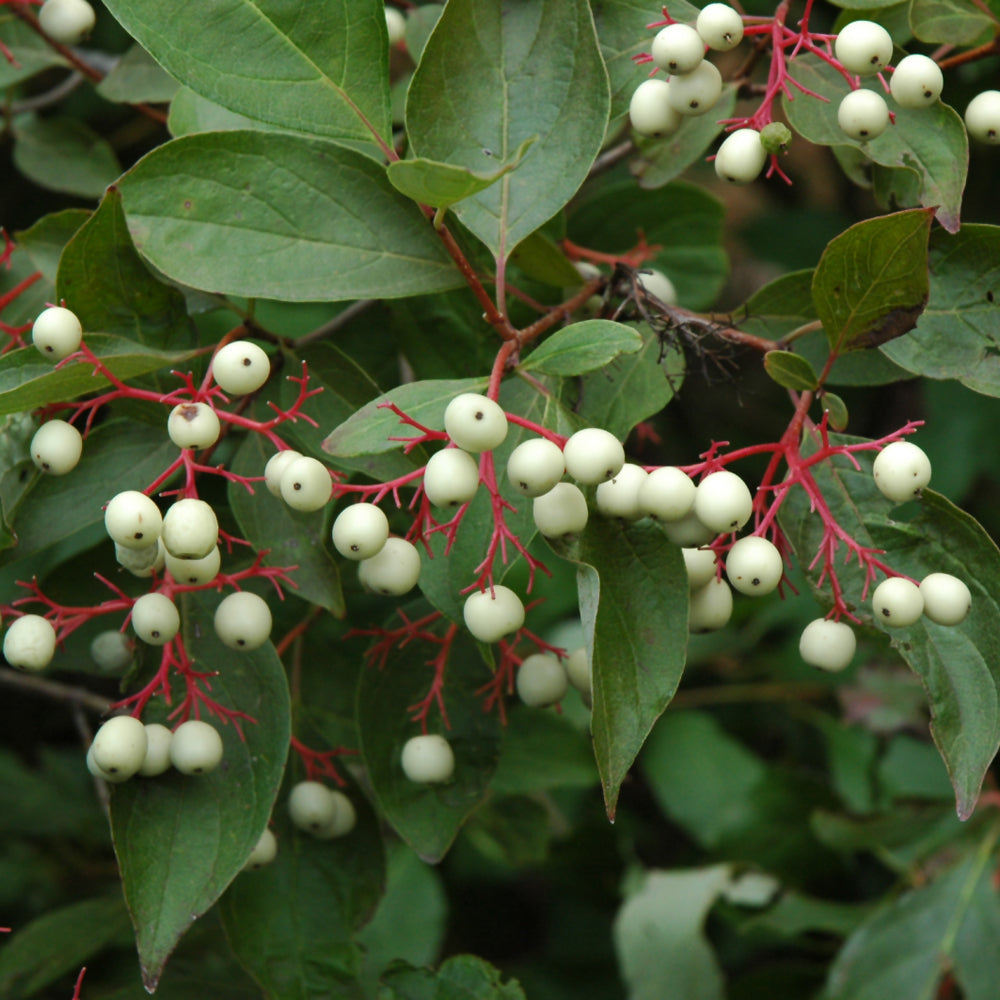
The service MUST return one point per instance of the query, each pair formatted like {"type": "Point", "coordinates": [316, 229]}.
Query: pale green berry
{"type": "Point", "coordinates": [711, 606]}
{"type": "Point", "coordinates": [395, 25]}
{"type": "Point", "coordinates": [577, 666]}
{"type": "Point", "coordinates": [451, 478]}
{"type": "Point", "coordinates": [982, 117]}
{"type": "Point", "coordinates": [916, 82]}
{"type": "Point", "coordinates": [56, 447]}
{"type": "Point", "coordinates": [344, 820]}
{"type": "Point", "coordinates": [311, 806]}
{"type": "Point", "coordinates": [619, 497]}
{"type": "Point", "coordinates": [560, 512]}
{"type": "Point", "coordinates": [722, 501]}
{"type": "Point", "coordinates": [240, 367]}
{"type": "Point", "coordinates": [593, 455]}
{"type": "Point", "coordinates": [133, 520]}
{"type": "Point", "coordinates": [243, 621]}
{"type": "Point", "coordinates": [196, 747]}
{"type": "Point", "coordinates": [535, 466]}
{"type": "Point", "coordinates": [491, 616]}
{"type": "Point", "coordinates": [157, 759]}
{"type": "Point", "coordinates": [360, 531]}
{"type": "Point", "coordinates": [264, 852]}
{"type": "Point", "coordinates": [901, 470]}
{"type": "Point", "coordinates": [190, 529]}
{"type": "Point", "coordinates": [68, 22]}
{"type": "Point", "coordinates": [30, 642]}
{"type": "Point", "coordinates": [667, 494]}
{"type": "Point", "coordinates": [111, 651]}
{"type": "Point", "coordinates": [696, 93]}
{"type": "Point", "coordinates": [275, 469]}
{"type": "Point", "coordinates": [741, 157]}
{"type": "Point", "coordinates": [688, 532]}
{"type": "Point", "coordinates": [897, 603]}
{"type": "Point", "coordinates": [658, 285]}
{"type": "Point", "coordinates": [475, 423]}
{"type": "Point", "coordinates": [754, 566]}
{"type": "Point", "coordinates": [194, 571]}
{"type": "Point", "coordinates": [428, 759]}
{"type": "Point", "coordinates": [701, 567]}
{"type": "Point", "coordinates": [393, 570]}
{"type": "Point", "coordinates": [720, 27]}
{"type": "Point", "coordinates": [57, 333]}
{"type": "Point", "coordinates": [193, 425]}
{"type": "Point", "coordinates": [863, 115]}
{"type": "Point", "coordinates": [541, 680]}
{"type": "Point", "coordinates": [155, 619]}
{"type": "Point", "coordinates": [306, 484]}
{"type": "Point", "coordinates": [947, 600]}
{"type": "Point", "coordinates": [863, 47]}
{"type": "Point", "coordinates": [678, 48]}
{"type": "Point", "coordinates": [650, 111]}
{"type": "Point", "coordinates": [142, 562]}
{"type": "Point", "coordinates": [120, 746]}
{"type": "Point", "coordinates": [827, 644]}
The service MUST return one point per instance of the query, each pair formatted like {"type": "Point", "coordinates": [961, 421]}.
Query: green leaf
{"type": "Point", "coordinates": [633, 603]}
{"type": "Point", "coordinates": [45, 241]}
{"type": "Point", "coordinates": [931, 141]}
{"type": "Point", "coordinates": [959, 666]}
{"type": "Point", "coordinates": [871, 283]}
{"type": "Point", "coordinates": [958, 333]}
{"type": "Point", "coordinates": [794, 914]}
{"type": "Point", "coordinates": [64, 154]}
{"type": "Point", "coordinates": [490, 78]}
{"type": "Point", "coordinates": [28, 380]}
{"type": "Point", "coordinates": [292, 923]}
{"type": "Point", "coordinates": [58, 943]}
{"type": "Point", "coordinates": [837, 408]}
{"type": "Point", "coordinates": [138, 77]}
{"type": "Point", "coordinates": [906, 947]}
{"type": "Point", "coordinates": [441, 185]}
{"type": "Point", "coordinates": [323, 69]}
{"type": "Point", "coordinates": [659, 935]}
{"type": "Point", "coordinates": [290, 226]}
{"type": "Point", "coordinates": [661, 161]}
{"type": "Point", "coordinates": [583, 347]}
{"type": "Point", "coordinates": [106, 284]}
{"type": "Point", "coordinates": [790, 370]}
{"type": "Point", "coordinates": [953, 21]}
{"type": "Point", "coordinates": [462, 977]}
{"type": "Point", "coordinates": [31, 52]}
{"type": "Point", "coordinates": [682, 222]}
{"type": "Point", "coordinates": [291, 538]}
{"type": "Point", "coordinates": [180, 840]}
{"type": "Point", "coordinates": [539, 258]}
{"type": "Point", "coordinates": [427, 817]}
{"type": "Point", "coordinates": [371, 429]}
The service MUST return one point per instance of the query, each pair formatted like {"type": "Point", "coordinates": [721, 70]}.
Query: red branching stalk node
{"type": "Point", "coordinates": [320, 763]}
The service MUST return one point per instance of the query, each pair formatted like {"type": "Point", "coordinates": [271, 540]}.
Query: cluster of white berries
{"type": "Point", "coordinates": [125, 746]}
{"type": "Point", "coordinates": [68, 22]}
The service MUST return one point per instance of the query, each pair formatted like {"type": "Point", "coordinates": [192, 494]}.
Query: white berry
{"type": "Point", "coordinates": [863, 47]}
{"type": "Point", "coordinates": [428, 759]}
{"type": "Point", "coordinates": [243, 621]}
{"type": "Point", "coordinates": [196, 747]}
{"type": "Point", "coordinates": [119, 747]}
{"type": "Point", "coordinates": [360, 531]}
{"type": "Point", "coordinates": [193, 425]}
{"type": "Point", "coordinates": [56, 447]}
{"type": "Point", "coordinates": [678, 48]}
{"type": "Point", "coordinates": [194, 571]}
{"type": "Point", "coordinates": [395, 25]}
{"type": "Point", "coordinates": [562, 511]}
{"type": "Point", "coordinates": [155, 619]}
{"type": "Point", "coordinates": [541, 680]}
{"type": "Point", "coordinates": [827, 644]}
{"type": "Point", "coordinates": [619, 497]}
{"type": "Point", "coordinates": [650, 110]}
{"type": "Point", "coordinates": [263, 853]}
{"type": "Point", "coordinates": [593, 455]}
{"type": "Point", "coordinates": [394, 570]}
{"type": "Point", "coordinates": [754, 565]}
{"type": "Point", "coordinates": [982, 117]}
{"type": "Point", "coordinates": [57, 333]}
{"type": "Point", "coordinates": [901, 470]}
{"type": "Point", "coordinates": [475, 423]}
{"type": "Point", "coordinates": [711, 606]}
{"type": "Point", "coordinates": [577, 666]}
{"type": "Point", "coordinates": [68, 22]}
{"type": "Point", "coordinates": [157, 759]}
{"type": "Point", "coordinates": [947, 600]}
{"type": "Point", "coordinates": [306, 484]}
{"type": "Point", "coordinates": [311, 806]}
{"type": "Point", "coordinates": [30, 642]}
{"type": "Point", "coordinates": [451, 478]}
{"type": "Point", "coordinates": [722, 501]}
{"type": "Point", "coordinates": [190, 529]}
{"type": "Point", "coordinates": [863, 115]}
{"type": "Point", "coordinates": [240, 367]}
{"type": "Point", "coordinates": [741, 157]}
{"type": "Point", "coordinates": [491, 616]}
{"type": "Point", "coordinates": [688, 532]}
{"type": "Point", "coordinates": [700, 565]}
{"type": "Point", "coordinates": [658, 285]}
{"type": "Point", "coordinates": [133, 520]}
{"type": "Point", "coordinates": [667, 494]}
{"type": "Point", "coordinates": [535, 466]}
{"type": "Point", "coordinates": [916, 82]}
{"type": "Point", "coordinates": [897, 603]}
{"type": "Point", "coordinates": [344, 820]}
{"type": "Point", "coordinates": [695, 93]}
{"type": "Point", "coordinates": [111, 651]}
{"type": "Point", "coordinates": [275, 469]}
{"type": "Point", "coordinates": [720, 27]}
{"type": "Point", "coordinates": [142, 562]}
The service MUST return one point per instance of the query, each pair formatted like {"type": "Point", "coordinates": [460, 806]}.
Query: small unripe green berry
{"type": "Point", "coordinates": [775, 137]}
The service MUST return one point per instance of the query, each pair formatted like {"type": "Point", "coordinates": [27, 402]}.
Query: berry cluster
{"type": "Point", "coordinates": [124, 747]}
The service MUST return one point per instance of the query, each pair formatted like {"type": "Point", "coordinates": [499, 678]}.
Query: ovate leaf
{"type": "Point", "coordinates": [276, 215]}
{"type": "Point", "coordinates": [871, 283]}
{"type": "Point", "coordinates": [322, 69]}
{"type": "Point", "coordinates": [490, 78]}
{"type": "Point", "coordinates": [953, 21]}
{"type": "Point", "coordinates": [137, 77]}
{"type": "Point", "coordinates": [583, 347]}
{"type": "Point", "coordinates": [790, 370]}
{"type": "Point", "coordinates": [180, 840]}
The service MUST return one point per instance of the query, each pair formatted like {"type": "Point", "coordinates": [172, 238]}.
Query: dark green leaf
{"type": "Point", "coordinates": [28, 380]}
{"type": "Point", "coordinates": [292, 923]}
{"type": "Point", "coordinates": [957, 335]}
{"type": "Point", "coordinates": [181, 840]}
{"type": "Point", "coordinates": [322, 69]}
{"type": "Point", "coordinates": [583, 347]}
{"type": "Point", "coordinates": [441, 185]}
{"type": "Point", "coordinates": [45, 240]}
{"type": "Point", "coordinates": [475, 99]}
{"type": "Point", "coordinates": [511, 829]}
{"type": "Point", "coordinates": [633, 604]}
{"type": "Point", "coordinates": [291, 538]}
{"type": "Point", "coordinates": [953, 21]}
{"type": "Point", "coordinates": [540, 258]}
{"type": "Point", "coordinates": [791, 371]}
{"type": "Point", "coordinates": [137, 77]}
{"type": "Point", "coordinates": [64, 154]}
{"type": "Point", "coordinates": [427, 817]}
{"type": "Point", "coordinates": [59, 943]}
{"type": "Point", "coordinates": [463, 977]}
{"type": "Point", "coordinates": [794, 914]}
{"type": "Point", "coordinates": [931, 141]}
{"type": "Point", "coordinates": [871, 283]}
{"type": "Point", "coordinates": [291, 230]}
{"type": "Point", "coordinates": [107, 285]}
{"type": "Point", "coordinates": [837, 408]}
{"type": "Point", "coordinates": [660, 939]}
